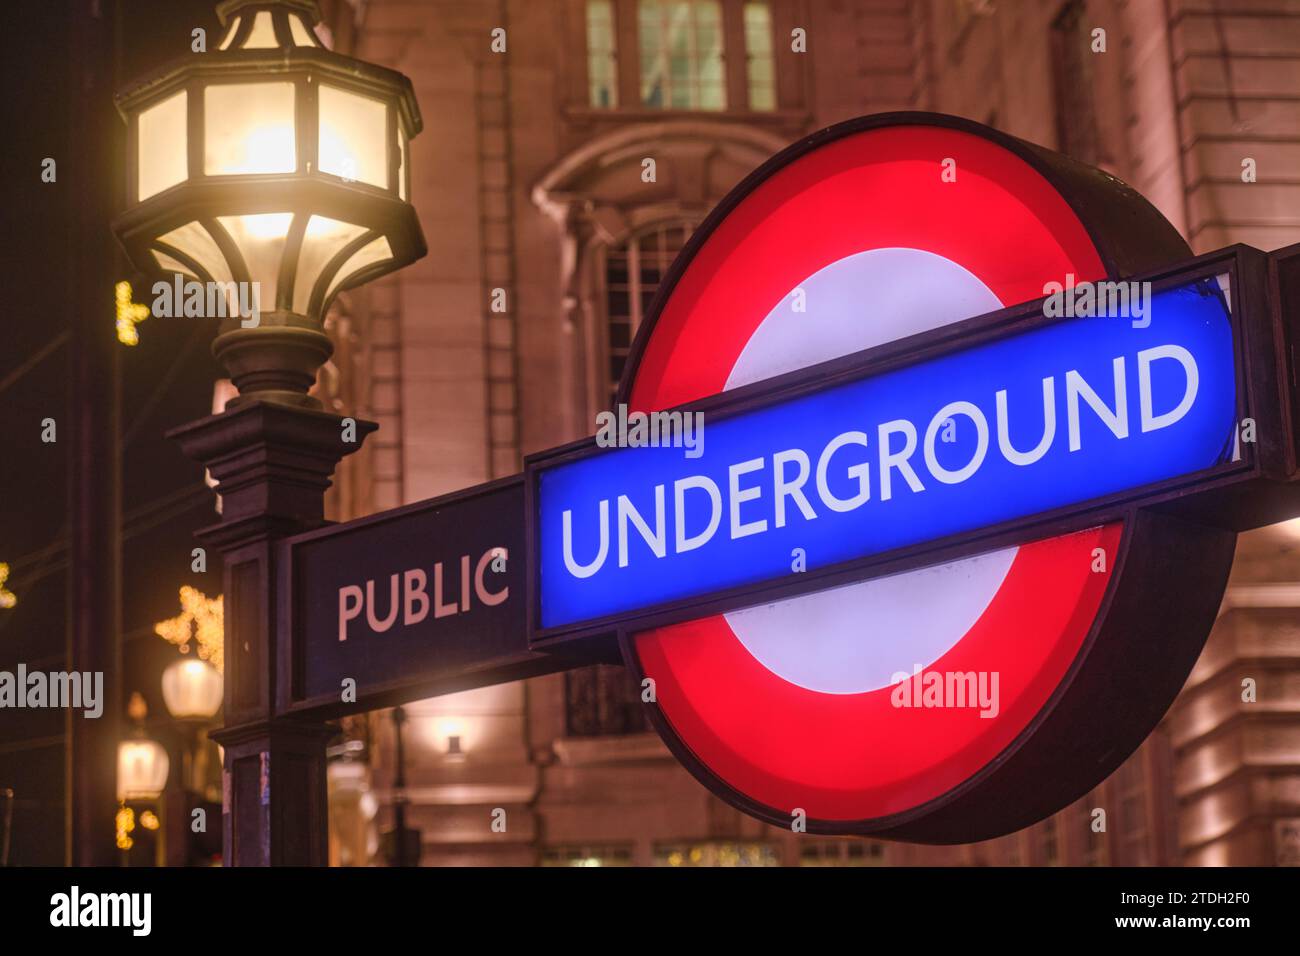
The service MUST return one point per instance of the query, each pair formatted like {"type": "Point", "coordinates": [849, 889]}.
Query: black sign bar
{"type": "Point", "coordinates": [418, 601]}
{"type": "Point", "coordinates": [1251, 488]}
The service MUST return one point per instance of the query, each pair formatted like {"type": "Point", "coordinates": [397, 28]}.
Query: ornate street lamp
{"type": "Point", "coordinates": [270, 161]}
{"type": "Point", "coordinates": [142, 768]}
{"type": "Point", "coordinates": [191, 689]}
{"type": "Point", "coordinates": [276, 162]}
{"type": "Point", "coordinates": [142, 763]}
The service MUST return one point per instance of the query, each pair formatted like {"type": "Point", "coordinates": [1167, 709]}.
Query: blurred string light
{"type": "Point", "coordinates": [7, 598]}
{"type": "Point", "coordinates": [129, 314]}
{"type": "Point", "coordinates": [201, 620]}
{"type": "Point", "coordinates": [125, 824]}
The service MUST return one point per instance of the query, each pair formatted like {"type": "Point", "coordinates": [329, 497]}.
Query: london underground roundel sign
{"type": "Point", "coordinates": [979, 439]}
{"type": "Point", "coordinates": [964, 698]}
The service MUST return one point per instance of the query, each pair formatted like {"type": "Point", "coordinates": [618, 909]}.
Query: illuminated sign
{"type": "Point", "coordinates": [915, 508]}
{"type": "Point", "coordinates": [948, 548]}
{"type": "Point", "coordinates": [1048, 418]}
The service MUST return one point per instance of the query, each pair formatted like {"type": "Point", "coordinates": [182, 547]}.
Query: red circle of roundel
{"type": "Point", "coordinates": [856, 756]}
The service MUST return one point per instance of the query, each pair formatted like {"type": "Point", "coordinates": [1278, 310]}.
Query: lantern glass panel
{"type": "Point", "coordinates": [301, 35]}
{"type": "Point", "coordinates": [401, 168]}
{"type": "Point", "coordinates": [324, 239]}
{"type": "Point", "coordinates": [249, 128]}
{"type": "Point", "coordinates": [376, 251]}
{"type": "Point", "coordinates": [194, 241]}
{"type": "Point", "coordinates": [227, 290]}
{"type": "Point", "coordinates": [260, 239]}
{"type": "Point", "coordinates": [162, 146]}
{"type": "Point", "coordinates": [168, 264]}
{"type": "Point", "coordinates": [262, 36]}
{"type": "Point", "coordinates": [353, 136]}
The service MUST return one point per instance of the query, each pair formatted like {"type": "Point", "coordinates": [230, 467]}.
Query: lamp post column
{"type": "Point", "coordinates": [272, 463]}
{"type": "Point", "coordinates": [275, 172]}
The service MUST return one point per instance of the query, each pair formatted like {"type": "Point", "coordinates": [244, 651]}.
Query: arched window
{"type": "Point", "coordinates": [618, 235]}
{"type": "Point", "coordinates": [632, 273]}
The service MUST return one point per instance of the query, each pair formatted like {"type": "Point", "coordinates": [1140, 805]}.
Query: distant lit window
{"type": "Point", "coordinates": [602, 54]}
{"type": "Point", "coordinates": [633, 272]}
{"type": "Point", "coordinates": [851, 852]}
{"type": "Point", "coordinates": [760, 65]}
{"type": "Point", "coordinates": [681, 54]}
{"type": "Point", "coordinates": [716, 853]}
{"type": "Point", "coordinates": [595, 855]}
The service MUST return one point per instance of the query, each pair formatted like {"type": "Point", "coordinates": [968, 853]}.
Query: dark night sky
{"type": "Point", "coordinates": [165, 381]}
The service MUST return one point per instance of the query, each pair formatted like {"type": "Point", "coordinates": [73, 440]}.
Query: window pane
{"type": "Point", "coordinates": [654, 54]}
{"type": "Point", "coordinates": [681, 54]}
{"type": "Point", "coordinates": [713, 85]}
{"type": "Point", "coordinates": [633, 273]}
{"type": "Point", "coordinates": [602, 54]}
{"type": "Point", "coordinates": [760, 69]}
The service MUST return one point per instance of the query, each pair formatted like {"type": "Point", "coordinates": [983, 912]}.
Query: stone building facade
{"type": "Point", "coordinates": [527, 179]}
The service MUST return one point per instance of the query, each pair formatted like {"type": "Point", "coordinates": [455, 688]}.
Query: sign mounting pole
{"type": "Point", "coordinates": [272, 464]}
